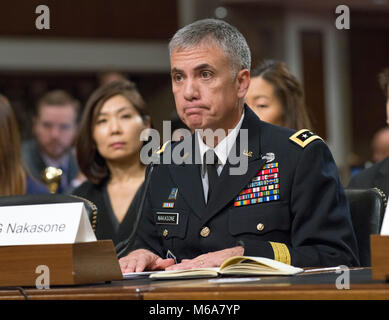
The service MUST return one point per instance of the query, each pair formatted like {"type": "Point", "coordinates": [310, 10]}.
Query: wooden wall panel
{"type": "Point", "coordinates": [116, 19]}
{"type": "Point", "coordinates": [369, 54]}
{"type": "Point", "coordinates": [313, 75]}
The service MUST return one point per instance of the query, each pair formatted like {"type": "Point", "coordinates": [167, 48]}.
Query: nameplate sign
{"type": "Point", "coordinates": [57, 223]}
{"type": "Point", "coordinates": [385, 223]}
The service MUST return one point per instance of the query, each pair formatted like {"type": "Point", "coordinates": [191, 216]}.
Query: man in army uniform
{"type": "Point", "coordinates": [289, 205]}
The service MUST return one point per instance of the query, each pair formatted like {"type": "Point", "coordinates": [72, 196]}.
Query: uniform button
{"type": "Point", "coordinates": [205, 231]}
{"type": "Point", "coordinates": [165, 233]}
{"type": "Point", "coordinates": [260, 226]}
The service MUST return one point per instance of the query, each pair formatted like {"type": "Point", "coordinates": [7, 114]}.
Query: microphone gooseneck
{"type": "Point", "coordinates": [122, 246]}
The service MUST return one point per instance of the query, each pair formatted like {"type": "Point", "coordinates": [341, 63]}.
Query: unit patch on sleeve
{"type": "Point", "coordinates": [304, 137]}
{"type": "Point", "coordinates": [264, 187]}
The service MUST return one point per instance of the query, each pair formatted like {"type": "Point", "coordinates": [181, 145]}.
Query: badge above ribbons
{"type": "Point", "coordinates": [172, 196]}
{"type": "Point", "coordinates": [264, 187]}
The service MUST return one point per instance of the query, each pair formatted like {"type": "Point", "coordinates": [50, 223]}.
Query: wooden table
{"type": "Point", "coordinates": [319, 286]}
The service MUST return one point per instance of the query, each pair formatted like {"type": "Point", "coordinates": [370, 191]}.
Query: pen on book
{"type": "Point", "coordinates": [233, 280]}
{"type": "Point", "coordinates": [324, 269]}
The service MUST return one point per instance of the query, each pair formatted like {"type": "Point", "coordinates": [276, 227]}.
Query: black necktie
{"type": "Point", "coordinates": [211, 161]}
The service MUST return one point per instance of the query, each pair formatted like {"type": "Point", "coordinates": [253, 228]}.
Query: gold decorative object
{"type": "Point", "coordinates": [51, 177]}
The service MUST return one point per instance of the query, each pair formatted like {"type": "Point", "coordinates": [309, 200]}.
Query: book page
{"type": "Point", "coordinates": [256, 265]}
{"type": "Point", "coordinates": [187, 274]}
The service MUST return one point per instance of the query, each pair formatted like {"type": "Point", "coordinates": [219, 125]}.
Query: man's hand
{"type": "Point", "coordinates": [142, 259]}
{"type": "Point", "coordinates": [208, 260]}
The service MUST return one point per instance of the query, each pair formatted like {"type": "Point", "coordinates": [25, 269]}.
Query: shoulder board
{"type": "Point", "coordinates": [163, 147]}
{"type": "Point", "coordinates": [304, 137]}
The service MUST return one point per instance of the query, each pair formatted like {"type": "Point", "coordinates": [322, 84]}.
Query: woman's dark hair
{"type": "Point", "coordinates": [383, 79]}
{"type": "Point", "coordinates": [288, 90]}
{"type": "Point", "coordinates": [13, 176]}
{"type": "Point", "coordinates": [91, 163]}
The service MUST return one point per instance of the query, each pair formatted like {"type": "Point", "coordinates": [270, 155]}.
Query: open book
{"type": "Point", "coordinates": [237, 266]}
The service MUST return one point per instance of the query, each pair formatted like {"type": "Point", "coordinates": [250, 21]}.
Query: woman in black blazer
{"type": "Point", "coordinates": [108, 151]}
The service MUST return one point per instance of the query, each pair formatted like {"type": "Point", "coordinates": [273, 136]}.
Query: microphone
{"type": "Point", "coordinates": [122, 246]}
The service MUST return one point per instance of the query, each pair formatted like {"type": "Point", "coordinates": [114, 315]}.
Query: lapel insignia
{"type": "Point", "coordinates": [185, 155]}
{"type": "Point", "coordinates": [247, 153]}
{"type": "Point", "coordinates": [163, 147]}
{"type": "Point", "coordinates": [264, 187]}
{"type": "Point", "coordinates": [269, 157]}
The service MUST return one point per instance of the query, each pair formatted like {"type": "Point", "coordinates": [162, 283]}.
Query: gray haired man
{"type": "Point", "coordinates": [289, 205]}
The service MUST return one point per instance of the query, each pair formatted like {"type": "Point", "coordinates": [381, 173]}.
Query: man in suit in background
{"type": "Point", "coordinates": [287, 205]}
{"type": "Point", "coordinates": [380, 145]}
{"type": "Point", "coordinates": [54, 128]}
{"type": "Point", "coordinates": [378, 174]}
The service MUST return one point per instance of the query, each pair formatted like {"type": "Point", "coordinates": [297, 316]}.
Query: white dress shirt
{"type": "Point", "coordinates": [222, 150]}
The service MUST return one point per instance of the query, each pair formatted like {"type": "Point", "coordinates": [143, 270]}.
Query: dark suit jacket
{"type": "Point", "coordinates": [107, 226]}
{"type": "Point", "coordinates": [375, 176]}
{"type": "Point", "coordinates": [34, 186]}
{"type": "Point", "coordinates": [34, 163]}
{"type": "Point", "coordinates": [309, 225]}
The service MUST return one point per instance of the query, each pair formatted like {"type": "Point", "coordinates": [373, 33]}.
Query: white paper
{"type": "Point", "coordinates": [233, 280]}
{"type": "Point", "coordinates": [385, 223]}
{"type": "Point", "coordinates": [85, 232]}
{"type": "Point", "coordinates": [45, 224]}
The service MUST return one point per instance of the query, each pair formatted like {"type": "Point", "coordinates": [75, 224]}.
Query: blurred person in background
{"type": "Point", "coordinates": [108, 152]}
{"type": "Point", "coordinates": [108, 76]}
{"type": "Point", "coordinates": [14, 178]}
{"type": "Point", "coordinates": [383, 79]}
{"type": "Point", "coordinates": [380, 145]}
{"type": "Point", "coordinates": [277, 97]}
{"type": "Point", "coordinates": [378, 174]}
{"type": "Point", "coordinates": [54, 128]}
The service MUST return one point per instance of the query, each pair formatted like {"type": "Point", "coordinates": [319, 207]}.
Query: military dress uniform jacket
{"type": "Point", "coordinates": [301, 218]}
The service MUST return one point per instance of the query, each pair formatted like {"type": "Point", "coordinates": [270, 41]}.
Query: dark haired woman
{"type": "Point", "coordinates": [14, 178]}
{"type": "Point", "coordinates": [108, 152]}
{"type": "Point", "coordinates": [277, 97]}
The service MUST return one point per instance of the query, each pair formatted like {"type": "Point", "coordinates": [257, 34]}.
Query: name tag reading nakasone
{"type": "Point", "coordinates": [167, 218]}
{"type": "Point", "coordinates": [45, 224]}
